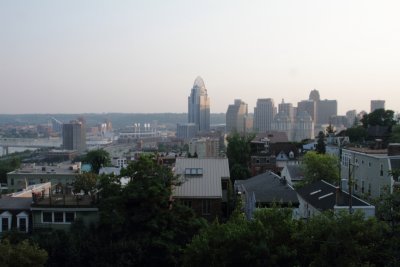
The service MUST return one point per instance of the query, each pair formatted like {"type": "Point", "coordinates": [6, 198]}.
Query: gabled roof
{"type": "Point", "coordinates": [285, 147]}
{"type": "Point", "coordinates": [322, 196]}
{"type": "Point", "coordinates": [273, 136]}
{"type": "Point", "coordinates": [205, 184]}
{"type": "Point", "coordinates": [295, 171]}
{"type": "Point", "coordinates": [267, 188]}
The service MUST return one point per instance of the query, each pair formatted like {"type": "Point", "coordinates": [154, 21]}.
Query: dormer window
{"type": "Point", "coordinates": [193, 172]}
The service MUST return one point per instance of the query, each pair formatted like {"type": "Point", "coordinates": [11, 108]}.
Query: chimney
{"type": "Point", "coordinates": [394, 149]}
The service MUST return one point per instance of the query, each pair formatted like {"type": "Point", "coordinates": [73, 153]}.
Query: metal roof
{"type": "Point", "coordinates": [202, 185]}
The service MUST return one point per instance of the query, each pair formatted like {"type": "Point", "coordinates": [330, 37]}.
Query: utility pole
{"type": "Point", "coordinates": [351, 165]}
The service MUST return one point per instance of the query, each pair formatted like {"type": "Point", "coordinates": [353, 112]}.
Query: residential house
{"type": "Point", "coordinates": [370, 169]}
{"type": "Point", "coordinates": [55, 209]}
{"type": "Point", "coordinates": [15, 209]}
{"type": "Point", "coordinates": [322, 196]}
{"type": "Point", "coordinates": [204, 185]}
{"type": "Point", "coordinates": [265, 190]}
{"type": "Point", "coordinates": [292, 174]}
{"type": "Point", "coordinates": [31, 174]}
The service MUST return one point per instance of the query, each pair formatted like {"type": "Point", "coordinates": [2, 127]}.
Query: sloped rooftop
{"type": "Point", "coordinates": [200, 178]}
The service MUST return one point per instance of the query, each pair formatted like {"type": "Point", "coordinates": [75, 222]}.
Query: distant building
{"type": "Point", "coordinates": [264, 114]}
{"type": "Point", "coordinates": [288, 109]}
{"type": "Point", "coordinates": [186, 130]}
{"type": "Point", "coordinates": [32, 174]}
{"type": "Point", "coordinates": [236, 117]}
{"type": "Point", "coordinates": [308, 106]}
{"type": "Point", "coordinates": [351, 116]}
{"type": "Point", "coordinates": [325, 110]}
{"type": "Point", "coordinates": [377, 104]}
{"type": "Point", "coordinates": [283, 123]}
{"type": "Point", "coordinates": [199, 106]}
{"type": "Point", "coordinates": [74, 136]}
{"type": "Point", "coordinates": [204, 147]}
{"type": "Point", "coordinates": [56, 125]}
{"type": "Point", "coordinates": [304, 127]}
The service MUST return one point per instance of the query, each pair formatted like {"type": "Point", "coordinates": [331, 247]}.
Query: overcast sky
{"type": "Point", "coordinates": [143, 56]}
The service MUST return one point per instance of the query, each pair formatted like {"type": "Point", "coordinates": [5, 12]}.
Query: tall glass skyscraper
{"type": "Point", "coordinates": [199, 106]}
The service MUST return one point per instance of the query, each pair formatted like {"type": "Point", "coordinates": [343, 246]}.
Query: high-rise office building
{"type": "Point", "coordinates": [74, 136]}
{"type": "Point", "coordinates": [186, 130]}
{"type": "Point", "coordinates": [264, 114]}
{"type": "Point", "coordinates": [287, 108]}
{"type": "Point", "coordinates": [282, 123]}
{"type": "Point", "coordinates": [309, 106]}
{"type": "Point", "coordinates": [351, 117]}
{"type": "Point", "coordinates": [304, 127]}
{"type": "Point", "coordinates": [236, 117]}
{"type": "Point", "coordinates": [325, 110]}
{"type": "Point", "coordinates": [199, 106]}
{"type": "Point", "coordinates": [377, 104]}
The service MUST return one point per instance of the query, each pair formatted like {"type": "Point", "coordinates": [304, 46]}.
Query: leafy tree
{"type": "Point", "coordinates": [21, 254]}
{"type": "Point", "coordinates": [97, 159]}
{"type": "Point", "coordinates": [86, 182]}
{"type": "Point", "coordinates": [321, 147]}
{"type": "Point", "coordinates": [263, 241]}
{"type": "Point", "coordinates": [238, 153]}
{"type": "Point", "coordinates": [342, 240]}
{"type": "Point", "coordinates": [318, 167]}
{"type": "Point", "coordinates": [380, 117]}
{"type": "Point", "coordinates": [140, 221]}
{"type": "Point", "coordinates": [357, 134]}
{"type": "Point", "coordinates": [395, 134]}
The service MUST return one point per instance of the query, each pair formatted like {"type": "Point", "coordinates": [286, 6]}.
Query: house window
{"type": "Point", "coordinates": [12, 181]}
{"type": "Point", "coordinates": [4, 224]}
{"type": "Point", "coordinates": [58, 217]}
{"type": "Point", "coordinates": [22, 224]}
{"type": "Point", "coordinates": [362, 187]}
{"type": "Point", "coordinates": [369, 164]}
{"type": "Point", "coordinates": [356, 186]}
{"type": "Point", "coordinates": [206, 206]}
{"type": "Point", "coordinates": [224, 185]}
{"type": "Point", "coordinates": [47, 216]}
{"type": "Point", "coordinates": [369, 189]}
{"type": "Point", "coordinates": [22, 221]}
{"type": "Point", "coordinates": [381, 170]}
{"type": "Point", "coordinates": [69, 217]}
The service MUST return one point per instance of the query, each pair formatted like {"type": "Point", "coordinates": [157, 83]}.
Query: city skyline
{"type": "Point", "coordinates": [141, 57]}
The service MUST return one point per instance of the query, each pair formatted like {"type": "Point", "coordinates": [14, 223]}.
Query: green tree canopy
{"type": "Point", "coordinates": [97, 158]}
{"type": "Point", "coordinates": [86, 182]}
{"type": "Point", "coordinates": [395, 134]}
{"type": "Point", "coordinates": [321, 147]}
{"type": "Point", "coordinates": [357, 134]}
{"type": "Point", "coordinates": [379, 117]}
{"type": "Point", "coordinates": [238, 153]}
{"type": "Point", "coordinates": [21, 254]}
{"type": "Point", "coordinates": [318, 167]}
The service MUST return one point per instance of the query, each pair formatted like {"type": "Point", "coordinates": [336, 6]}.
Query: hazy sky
{"type": "Point", "coordinates": [143, 56]}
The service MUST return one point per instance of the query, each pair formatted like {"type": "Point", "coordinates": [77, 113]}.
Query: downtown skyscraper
{"type": "Point", "coordinates": [264, 114]}
{"type": "Point", "coordinates": [199, 106]}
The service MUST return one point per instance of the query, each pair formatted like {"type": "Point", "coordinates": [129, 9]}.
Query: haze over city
{"type": "Point", "coordinates": [143, 57]}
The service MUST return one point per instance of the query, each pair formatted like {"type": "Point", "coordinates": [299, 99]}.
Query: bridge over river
{"type": "Point", "coordinates": [6, 143]}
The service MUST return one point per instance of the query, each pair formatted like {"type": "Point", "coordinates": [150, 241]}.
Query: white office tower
{"type": "Point", "coordinates": [304, 127]}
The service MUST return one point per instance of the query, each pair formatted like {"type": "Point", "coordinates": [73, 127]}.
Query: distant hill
{"type": "Point", "coordinates": [118, 120]}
